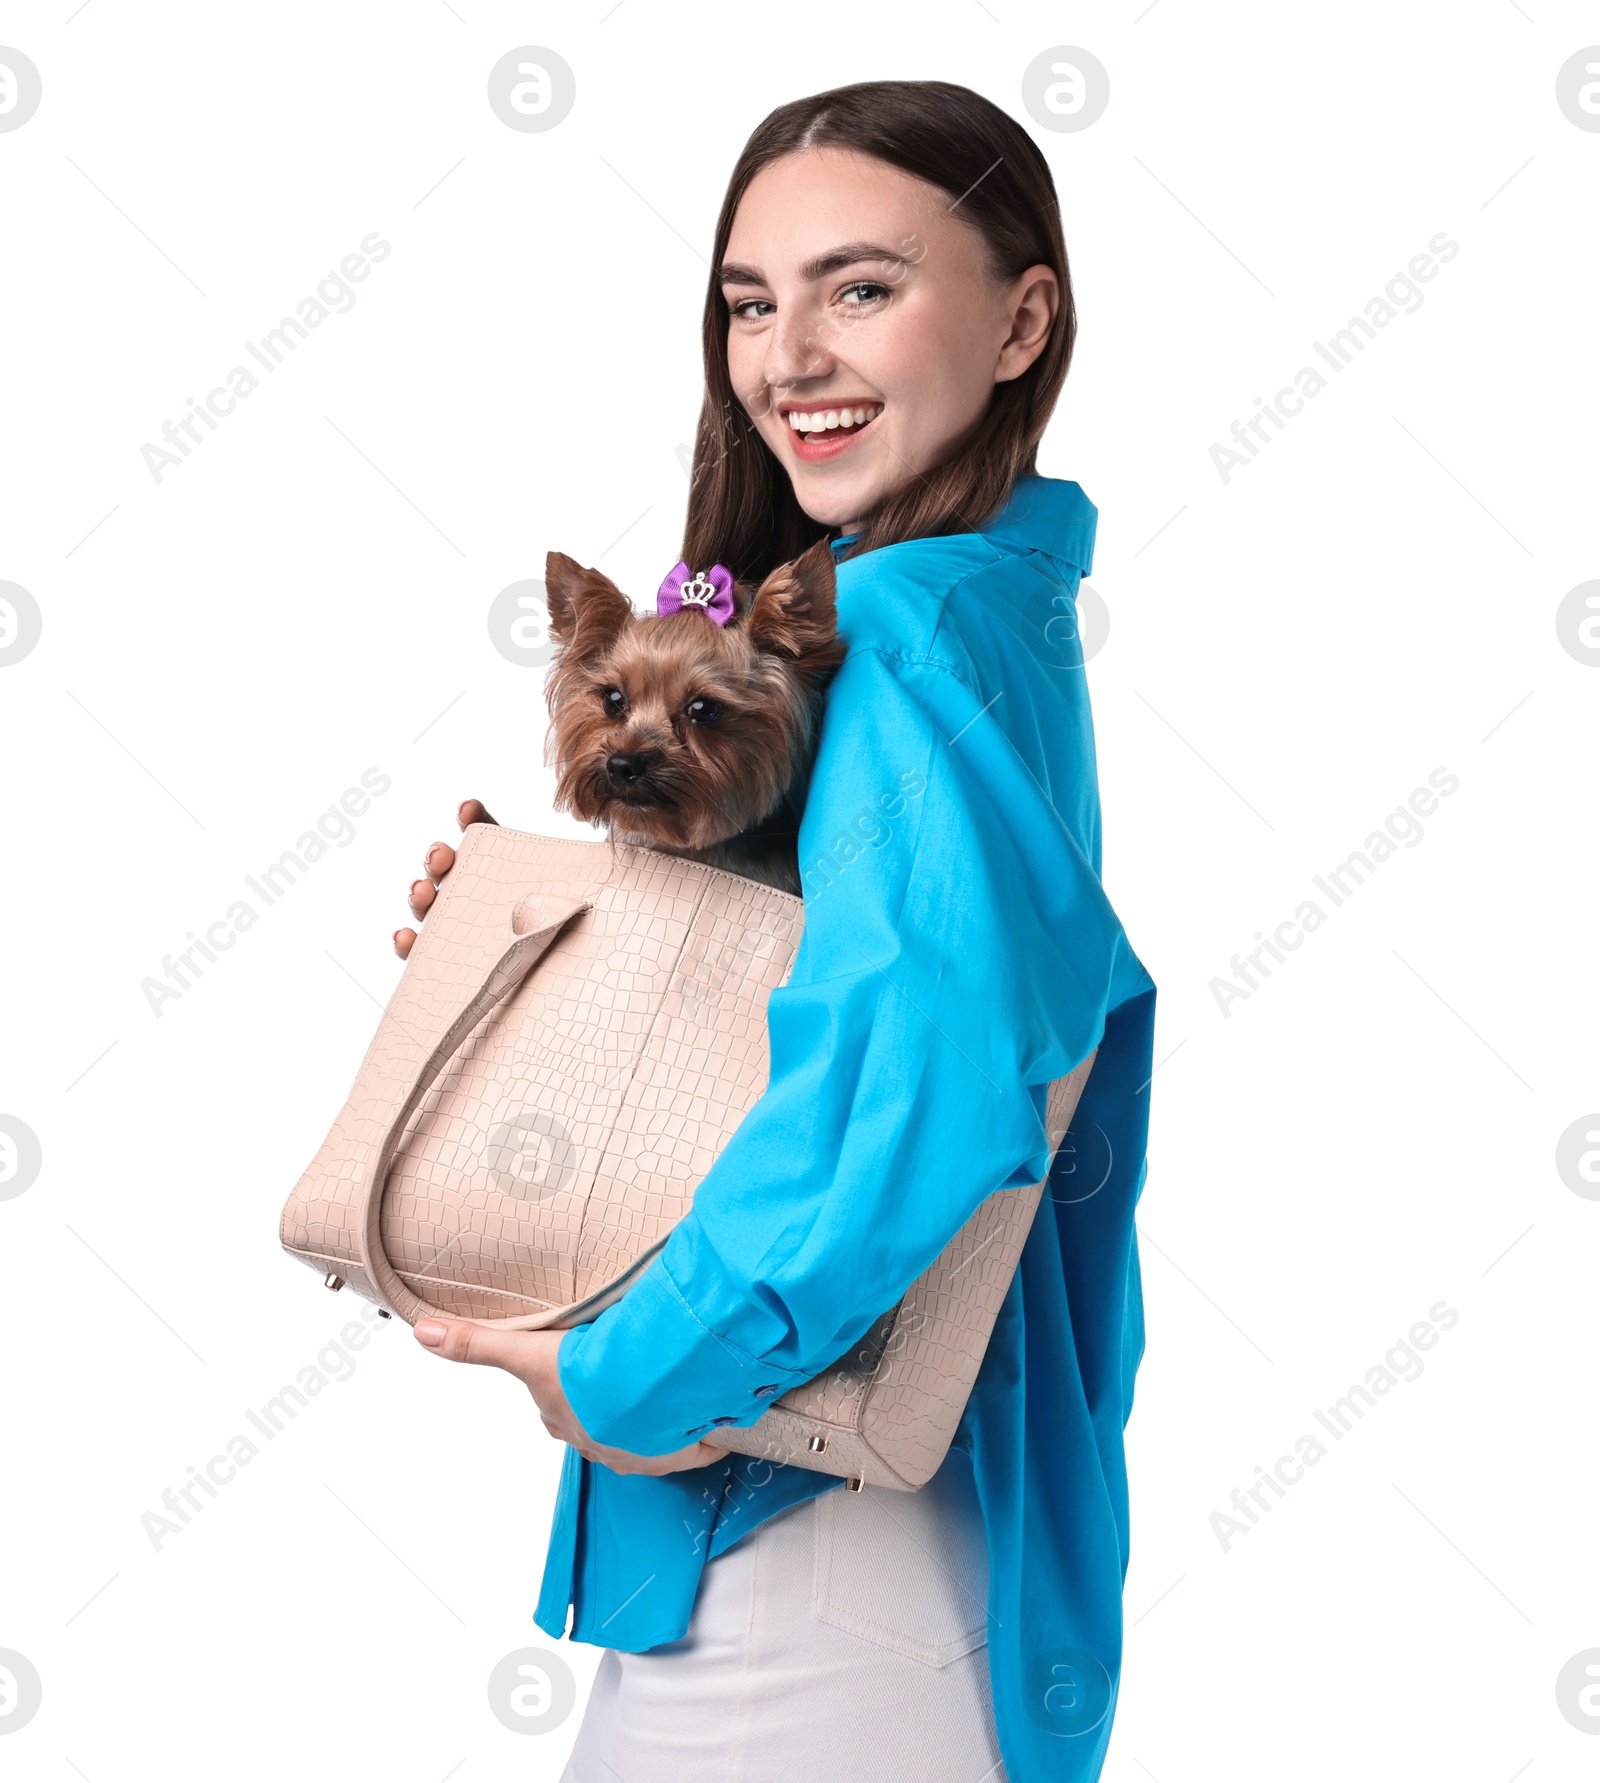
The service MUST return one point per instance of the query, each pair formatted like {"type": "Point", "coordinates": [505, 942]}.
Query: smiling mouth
{"type": "Point", "coordinates": [820, 433]}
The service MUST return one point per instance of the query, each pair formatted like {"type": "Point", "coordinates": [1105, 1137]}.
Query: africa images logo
{"type": "Point", "coordinates": [1401, 296]}
{"type": "Point", "coordinates": [333, 297]}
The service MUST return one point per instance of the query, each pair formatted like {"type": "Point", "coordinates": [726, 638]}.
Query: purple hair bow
{"type": "Point", "coordinates": [711, 591]}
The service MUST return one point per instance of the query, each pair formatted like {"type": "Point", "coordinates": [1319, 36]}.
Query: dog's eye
{"type": "Point", "coordinates": [615, 702]}
{"type": "Point", "coordinates": [702, 711]}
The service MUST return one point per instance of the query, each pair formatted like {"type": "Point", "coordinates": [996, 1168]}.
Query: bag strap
{"type": "Point", "coordinates": [544, 918]}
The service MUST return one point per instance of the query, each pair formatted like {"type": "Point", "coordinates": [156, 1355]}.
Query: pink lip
{"type": "Point", "coordinates": [815, 453]}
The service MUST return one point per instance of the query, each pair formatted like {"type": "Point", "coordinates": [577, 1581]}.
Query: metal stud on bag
{"type": "Point", "coordinates": [335, 1282]}
{"type": "Point", "coordinates": [817, 1444]}
{"type": "Point", "coordinates": [852, 1485]}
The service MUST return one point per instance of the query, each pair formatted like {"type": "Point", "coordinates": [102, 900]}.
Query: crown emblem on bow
{"type": "Point", "coordinates": [707, 591]}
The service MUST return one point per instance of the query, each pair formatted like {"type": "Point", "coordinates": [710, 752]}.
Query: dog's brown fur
{"type": "Point", "coordinates": [725, 791]}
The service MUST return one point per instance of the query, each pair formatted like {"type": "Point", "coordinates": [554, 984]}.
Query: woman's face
{"type": "Point", "coordinates": [865, 333]}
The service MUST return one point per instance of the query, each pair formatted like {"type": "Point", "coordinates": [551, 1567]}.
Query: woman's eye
{"type": "Point", "coordinates": [749, 305]}
{"type": "Point", "coordinates": [873, 291]}
{"type": "Point", "coordinates": [615, 702]}
{"type": "Point", "coordinates": [703, 711]}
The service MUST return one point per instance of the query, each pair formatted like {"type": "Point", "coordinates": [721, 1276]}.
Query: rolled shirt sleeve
{"type": "Point", "coordinates": [958, 955]}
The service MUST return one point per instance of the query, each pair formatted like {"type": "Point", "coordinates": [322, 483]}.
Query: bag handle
{"type": "Point", "coordinates": [542, 919]}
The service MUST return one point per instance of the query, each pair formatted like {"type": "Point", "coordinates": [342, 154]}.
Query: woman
{"type": "Point", "coordinates": [888, 326]}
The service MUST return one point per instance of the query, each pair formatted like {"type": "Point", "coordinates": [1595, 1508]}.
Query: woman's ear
{"type": "Point", "coordinates": [793, 611]}
{"type": "Point", "coordinates": [1032, 301]}
{"type": "Point", "coordinates": [586, 609]}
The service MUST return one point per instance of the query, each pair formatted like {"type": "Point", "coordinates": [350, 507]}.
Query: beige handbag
{"type": "Point", "coordinates": [578, 1031]}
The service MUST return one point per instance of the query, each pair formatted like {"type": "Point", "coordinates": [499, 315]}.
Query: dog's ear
{"type": "Point", "coordinates": [793, 614]}
{"type": "Point", "coordinates": [586, 609]}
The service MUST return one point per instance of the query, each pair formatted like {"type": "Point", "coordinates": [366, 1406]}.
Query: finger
{"type": "Point", "coordinates": [703, 1454]}
{"type": "Point", "coordinates": [472, 811]}
{"type": "Point", "coordinates": [404, 941]}
{"type": "Point", "coordinates": [458, 1340]}
{"type": "Point", "coordinates": [679, 1463]}
{"type": "Point", "coordinates": [420, 897]}
{"type": "Point", "coordinates": [700, 1454]}
{"type": "Point", "coordinates": [438, 861]}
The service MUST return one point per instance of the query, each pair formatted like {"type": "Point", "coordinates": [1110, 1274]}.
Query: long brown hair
{"type": "Point", "coordinates": [742, 508]}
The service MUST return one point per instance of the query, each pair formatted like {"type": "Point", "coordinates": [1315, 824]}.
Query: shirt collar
{"type": "Point", "coordinates": [1049, 515]}
{"type": "Point", "coordinates": [1043, 514]}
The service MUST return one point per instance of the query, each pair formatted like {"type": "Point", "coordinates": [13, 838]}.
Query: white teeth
{"type": "Point", "coordinates": [823, 419]}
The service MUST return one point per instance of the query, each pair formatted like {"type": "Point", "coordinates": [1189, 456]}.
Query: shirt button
{"type": "Point", "coordinates": [765, 1392]}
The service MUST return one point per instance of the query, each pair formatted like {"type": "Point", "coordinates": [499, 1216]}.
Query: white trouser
{"type": "Point", "coordinates": [844, 1638]}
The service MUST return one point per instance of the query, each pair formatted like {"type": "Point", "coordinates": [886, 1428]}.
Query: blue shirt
{"type": "Point", "coordinates": [958, 955]}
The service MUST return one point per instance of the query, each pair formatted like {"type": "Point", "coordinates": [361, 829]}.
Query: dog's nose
{"type": "Point", "coordinates": [625, 768]}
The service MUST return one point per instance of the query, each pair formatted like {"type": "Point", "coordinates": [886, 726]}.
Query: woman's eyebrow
{"type": "Point", "coordinates": [732, 272]}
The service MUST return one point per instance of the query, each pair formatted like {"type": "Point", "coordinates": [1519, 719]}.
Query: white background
{"type": "Point", "coordinates": [224, 652]}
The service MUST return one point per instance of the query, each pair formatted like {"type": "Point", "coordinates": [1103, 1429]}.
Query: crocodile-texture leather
{"type": "Point", "coordinates": [579, 1030]}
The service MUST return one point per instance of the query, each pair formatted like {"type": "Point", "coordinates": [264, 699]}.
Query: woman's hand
{"type": "Point", "coordinates": [438, 861]}
{"type": "Point", "coordinates": [531, 1357]}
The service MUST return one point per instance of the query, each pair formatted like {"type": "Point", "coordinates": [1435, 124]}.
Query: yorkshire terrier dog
{"type": "Point", "coordinates": [691, 730]}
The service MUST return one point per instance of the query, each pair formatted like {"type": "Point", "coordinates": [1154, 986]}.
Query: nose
{"type": "Point", "coordinates": [797, 353]}
{"type": "Point", "coordinates": [624, 767]}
